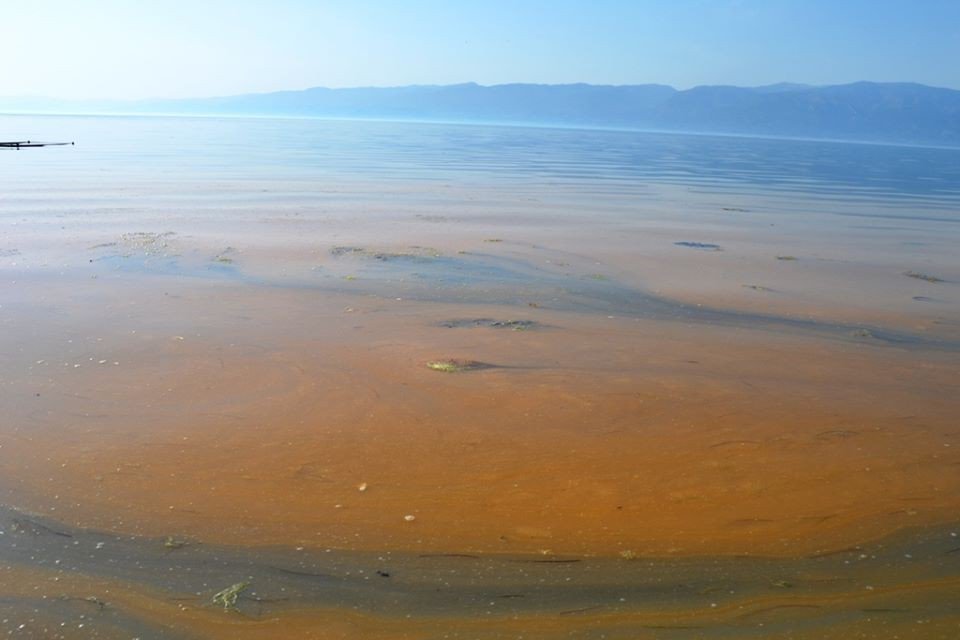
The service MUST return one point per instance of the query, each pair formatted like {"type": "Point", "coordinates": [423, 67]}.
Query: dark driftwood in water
{"type": "Point", "coordinates": [20, 144]}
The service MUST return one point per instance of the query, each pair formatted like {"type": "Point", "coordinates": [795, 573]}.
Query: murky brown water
{"type": "Point", "coordinates": [668, 442]}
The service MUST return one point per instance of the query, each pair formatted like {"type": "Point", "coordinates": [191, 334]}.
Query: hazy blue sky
{"type": "Point", "coordinates": [177, 48]}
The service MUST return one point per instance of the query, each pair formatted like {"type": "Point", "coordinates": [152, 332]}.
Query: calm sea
{"type": "Point", "coordinates": [117, 150]}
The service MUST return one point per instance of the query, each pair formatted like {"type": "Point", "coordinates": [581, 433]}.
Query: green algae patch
{"type": "Point", "coordinates": [413, 253]}
{"type": "Point", "coordinates": [457, 366]}
{"type": "Point", "coordinates": [228, 597]}
{"type": "Point", "coordinates": [916, 275]}
{"type": "Point", "coordinates": [172, 543]}
{"type": "Point", "coordinates": [491, 323]}
{"type": "Point", "coordinates": [704, 246]}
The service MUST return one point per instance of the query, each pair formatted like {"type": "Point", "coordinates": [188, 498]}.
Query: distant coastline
{"type": "Point", "coordinates": [888, 113]}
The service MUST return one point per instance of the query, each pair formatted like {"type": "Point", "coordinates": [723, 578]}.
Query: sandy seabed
{"type": "Point", "coordinates": [664, 441]}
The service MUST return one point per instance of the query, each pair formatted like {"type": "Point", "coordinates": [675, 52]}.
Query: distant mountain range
{"type": "Point", "coordinates": [867, 111]}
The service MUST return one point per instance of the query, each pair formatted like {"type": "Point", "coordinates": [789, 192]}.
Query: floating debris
{"type": "Point", "coordinates": [409, 518]}
{"type": "Point", "coordinates": [493, 240]}
{"type": "Point", "coordinates": [699, 245]}
{"type": "Point", "coordinates": [456, 366]}
{"type": "Point", "coordinates": [787, 258]}
{"type": "Point", "coordinates": [362, 487]}
{"type": "Point", "coordinates": [922, 276]}
{"type": "Point", "coordinates": [628, 555]}
{"type": "Point", "coordinates": [228, 597]}
{"type": "Point", "coordinates": [862, 333]}
{"type": "Point", "coordinates": [737, 209]}
{"type": "Point", "coordinates": [757, 287]}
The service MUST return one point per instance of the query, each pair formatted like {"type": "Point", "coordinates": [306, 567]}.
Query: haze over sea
{"type": "Point", "coordinates": [704, 386]}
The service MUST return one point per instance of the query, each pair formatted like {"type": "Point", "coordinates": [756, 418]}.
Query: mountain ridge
{"type": "Point", "coordinates": [898, 112]}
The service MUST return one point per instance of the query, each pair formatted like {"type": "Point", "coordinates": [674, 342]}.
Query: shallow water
{"type": "Point", "coordinates": [219, 330]}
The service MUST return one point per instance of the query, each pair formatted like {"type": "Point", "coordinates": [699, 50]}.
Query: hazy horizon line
{"type": "Point", "coordinates": [478, 84]}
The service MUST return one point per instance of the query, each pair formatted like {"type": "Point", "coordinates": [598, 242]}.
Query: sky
{"type": "Point", "coordinates": [134, 49]}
